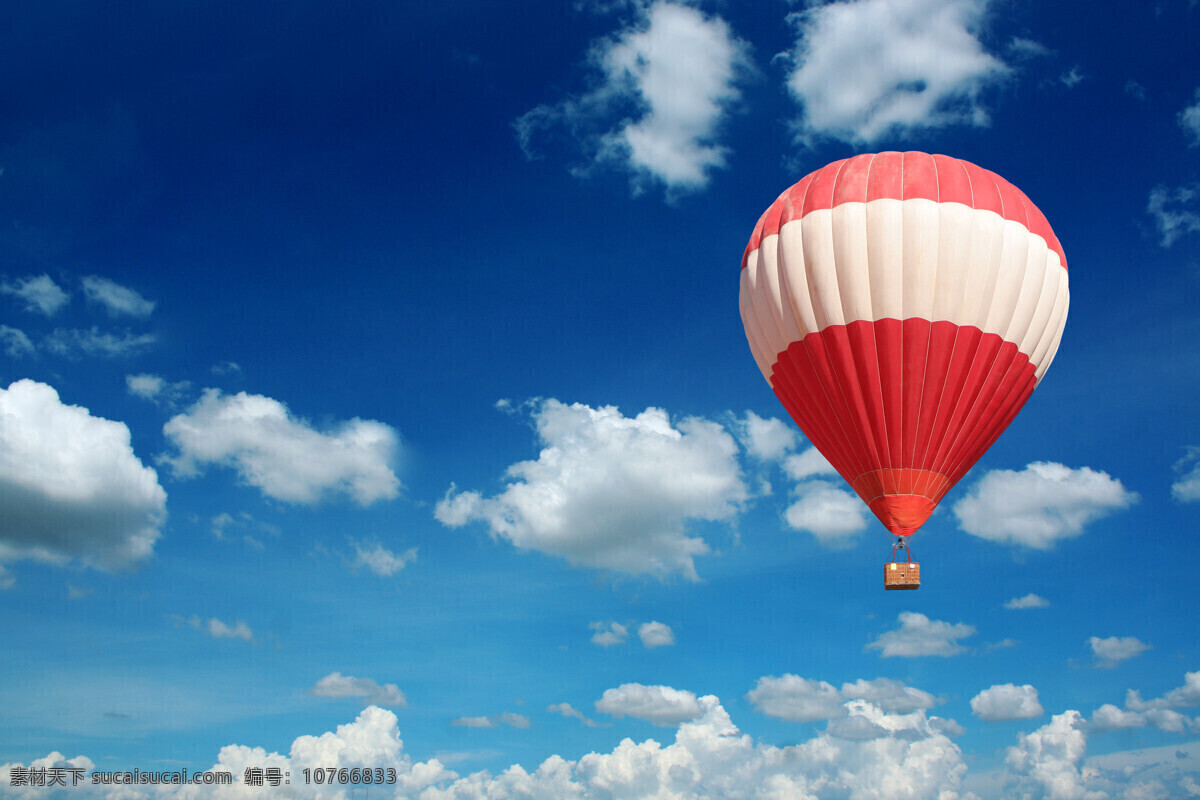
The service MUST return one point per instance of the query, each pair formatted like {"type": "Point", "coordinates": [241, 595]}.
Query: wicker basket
{"type": "Point", "coordinates": [901, 574]}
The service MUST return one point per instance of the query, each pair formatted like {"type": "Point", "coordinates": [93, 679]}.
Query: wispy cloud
{"type": "Point", "coordinates": [863, 69]}
{"type": "Point", "coordinates": [656, 634]}
{"type": "Point", "coordinates": [222, 630]}
{"type": "Point", "coordinates": [117, 300]}
{"type": "Point", "coordinates": [664, 85]}
{"type": "Point", "coordinates": [1189, 120]}
{"type": "Point", "coordinates": [381, 561]}
{"type": "Point", "coordinates": [39, 292]}
{"type": "Point", "coordinates": [509, 718]}
{"type": "Point", "coordinates": [1176, 212]}
{"type": "Point", "coordinates": [74, 342]}
{"type": "Point", "coordinates": [1187, 488]}
{"type": "Point", "coordinates": [570, 712]}
{"type": "Point", "coordinates": [16, 343]}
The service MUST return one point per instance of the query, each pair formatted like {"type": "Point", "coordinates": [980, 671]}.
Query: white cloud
{"type": "Point", "coordinates": [766, 439]}
{"type": "Point", "coordinates": [864, 69]}
{"type": "Point", "coordinates": [1039, 506]}
{"type": "Point", "coordinates": [1160, 712]}
{"type": "Point", "coordinates": [220, 630]}
{"type": "Point", "coordinates": [1024, 48]}
{"type": "Point", "coordinates": [1050, 756]}
{"type": "Point", "coordinates": [656, 634]}
{"type": "Point", "coordinates": [1189, 120]}
{"type": "Point", "coordinates": [284, 456]}
{"type": "Point", "coordinates": [156, 388]}
{"type": "Point", "coordinates": [71, 486]}
{"type": "Point", "coordinates": [1187, 488]}
{"type": "Point", "coordinates": [832, 514]}
{"type": "Point", "coordinates": [508, 718]}
{"type": "Point", "coordinates": [335, 684]}
{"type": "Point", "coordinates": [799, 699]}
{"type": "Point", "coordinates": [1115, 649]}
{"type": "Point", "coordinates": [40, 293]}
{"type": "Point", "coordinates": [608, 634]}
{"type": "Point", "coordinates": [1072, 77]}
{"type": "Point", "coordinates": [570, 712]}
{"type": "Point", "coordinates": [381, 561]}
{"type": "Point", "coordinates": [659, 705]}
{"type": "Point", "coordinates": [1006, 701]}
{"type": "Point", "coordinates": [612, 492]}
{"type": "Point", "coordinates": [665, 84]}
{"type": "Point", "coordinates": [73, 342]}
{"type": "Point", "coordinates": [16, 343]}
{"type": "Point", "coordinates": [868, 754]}
{"type": "Point", "coordinates": [918, 635]}
{"type": "Point", "coordinates": [118, 301]}
{"type": "Point", "coordinates": [1030, 600]}
{"type": "Point", "coordinates": [807, 464]}
{"type": "Point", "coordinates": [1176, 212]}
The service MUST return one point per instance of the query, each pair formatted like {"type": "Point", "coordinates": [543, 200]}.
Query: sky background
{"type": "Point", "coordinates": [375, 394]}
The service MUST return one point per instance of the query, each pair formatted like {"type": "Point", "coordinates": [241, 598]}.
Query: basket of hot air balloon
{"type": "Point", "coordinates": [903, 307]}
{"type": "Point", "coordinates": [904, 574]}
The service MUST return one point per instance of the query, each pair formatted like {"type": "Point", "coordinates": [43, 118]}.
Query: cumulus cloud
{"type": "Point", "coordinates": [607, 634]}
{"type": "Point", "coordinates": [73, 342]}
{"type": "Point", "coordinates": [664, 85]}
{"type": "Point", "coordinates": [828, 512]}
{"type": "Point", "coordinates": [1006, 701]}
{"type": "Point", "coordinates": [798, 699]}
{"type": "Point", "coordinates": [1189, 120]}
{"type": "Point", "coordinates": [869, 754]}
{"type": "Point", "coordinates": [767, 439]}
{"type": "Point", "coordinates": [656, 634]}
{"type": "Point", "coordinates": [16, 343]}
{"type": "Point", "coordinates": [335, 684]}
{"type": "Point", "coordinates": [658, 705]}
{"type": "Point", "coordinates": [71, 486]}
{"type": "Point", "coordinates": [864, 69]}
{"type": "Point", "coordinates": [918, 635]}
{"type": "Point", "coordinates": [808, 464]}
{"type": "Point", "coordinates": [611, 491]}
{"type": "Point", "coordinates": [117, 300]}
{"type": "Point", "coordinates": [1160, 712]}
{"type": "Point", "coordinates": [1187, 488]}
{"type": "Point", "coordinates": [1030, 600]}
{"type": "Point", "coordinates": [39, 293]}
{"type": "Point", "coordinates": [1049, 758]}
{"type": "Point", "coordinates": [1039, 506]}
{"type": "Point", "coordinates": [1176, 212]}
{"type": "Point", "coordinates": [285, 457]}
{"type": "Point", "coordinates": [1115, 649]}
{"type": "Point", "coordinates": [381, 561]}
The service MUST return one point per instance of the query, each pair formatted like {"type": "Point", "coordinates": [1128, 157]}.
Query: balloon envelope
{"type": "Point", "coordinates": [903, 307]}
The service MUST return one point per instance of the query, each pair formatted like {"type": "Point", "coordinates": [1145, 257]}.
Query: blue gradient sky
{"type": "Point", "coordinates": [376, 366]}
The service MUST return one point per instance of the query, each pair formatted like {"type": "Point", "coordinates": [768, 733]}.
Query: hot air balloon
{"type": "Point", "coordinates": [903, 307]}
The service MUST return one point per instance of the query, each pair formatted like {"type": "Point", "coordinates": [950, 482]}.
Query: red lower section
{"type": "Point", "coordinates": [902, 409]}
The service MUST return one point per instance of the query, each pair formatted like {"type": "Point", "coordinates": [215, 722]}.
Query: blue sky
{"type": "Point", "coordinates": [375, 394]}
